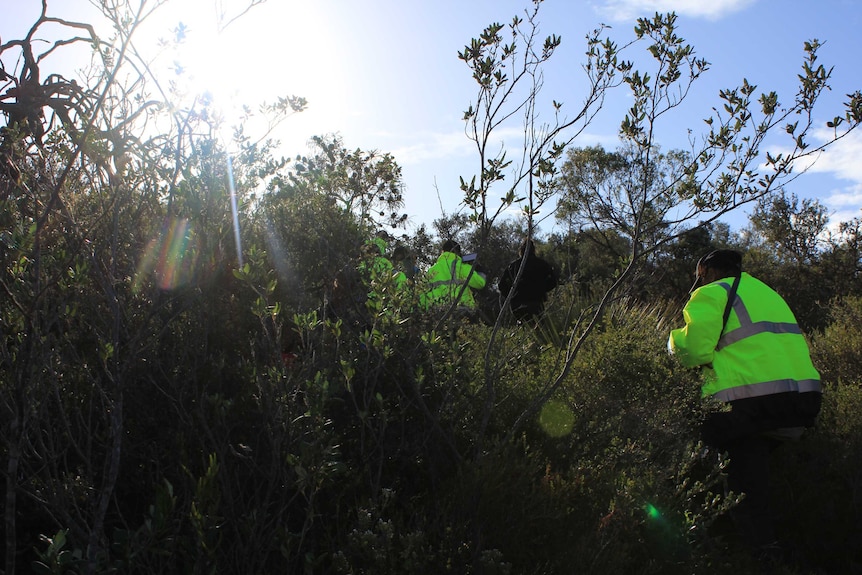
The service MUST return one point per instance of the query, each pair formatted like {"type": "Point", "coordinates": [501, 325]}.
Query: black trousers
{"type": "Point", "coordinates": [740, 432]}
{"type": "Point", "coordinates": [748, 473]}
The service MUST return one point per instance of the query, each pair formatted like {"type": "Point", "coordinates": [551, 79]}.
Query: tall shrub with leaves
{"type": "Point", "coordinates": [119, 237]}
{"type": "Point", "coordinates": [726, 168]}
{"type": "Point", "coordinates": [719, 175]}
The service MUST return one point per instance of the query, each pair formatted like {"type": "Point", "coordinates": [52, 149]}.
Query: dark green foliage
{"type": "Point", "coordinates": [629, 192]}
{"type": "Point", "coordinates": [183, 391]}
{"type": "Point", "coordinates": [635, 423]}
{"type": "Point", "coordinates": [364, 184]}
{"type": "Point", "coordinates": [817, 485]}
{"type": "Point", "coordinates": [825, 499]}
{"type": "Point", "coordinates": [838, 350]}
{"type": "Point", "coordinates": [791, 229]}
{"type": "Point", "coordinates": [813, 280]}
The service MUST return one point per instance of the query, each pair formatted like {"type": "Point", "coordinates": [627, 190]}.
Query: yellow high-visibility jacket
{"type": "Point", "coordinates": [760, 352]}
{"type": "Point", "coordinates": [446, 278]}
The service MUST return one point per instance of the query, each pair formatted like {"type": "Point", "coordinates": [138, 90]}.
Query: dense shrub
{"type": "Point", "coordinates": [826, 504]}
{"type": "Point", "coordinates": [837, 351]}
{"type": "Point", "coordinates": [374, 448]}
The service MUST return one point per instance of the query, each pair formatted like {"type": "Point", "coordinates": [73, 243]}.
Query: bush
{"type": "Point", "coordinates": [837, 351]}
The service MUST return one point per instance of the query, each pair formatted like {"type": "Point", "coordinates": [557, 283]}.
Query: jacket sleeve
{"type": "Point", "coordinates": [477, 281]}
{"type": "Point", "coordinates": [695, 343]}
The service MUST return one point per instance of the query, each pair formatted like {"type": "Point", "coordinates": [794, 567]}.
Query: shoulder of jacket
{"type": "Point", "coordinates": [711, 291]}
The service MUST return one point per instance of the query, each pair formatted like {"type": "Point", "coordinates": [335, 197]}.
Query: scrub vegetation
{"type": "Point", "coordinates": [193, 378]}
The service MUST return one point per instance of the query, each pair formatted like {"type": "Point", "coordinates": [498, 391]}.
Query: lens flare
{"type": "Point", "coordinates": [234, 210]}
{"type": "Point", "coordinates": [170, 257]}
{"type": "Point", "coordinates": [556, 419]}
{"type": "Point", "coordinates": [277, 252]}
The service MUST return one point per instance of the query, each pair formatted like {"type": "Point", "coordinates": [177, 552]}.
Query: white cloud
{"type": "Point", "coordinates": [850, 197]}
{"type": "Point", "coordinates": [844, 204]}
{"type": "Point", "coordinates": [433, 146]}
{"type": "Point", "coordinates": [628, 10]}
{"type": "Point", "coordinates": [841, 159]}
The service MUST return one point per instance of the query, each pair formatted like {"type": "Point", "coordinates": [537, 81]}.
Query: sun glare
{"type": "Point", "coordinates": [204, 65]}
{"type": "Point", "coordinates": [274, 50]}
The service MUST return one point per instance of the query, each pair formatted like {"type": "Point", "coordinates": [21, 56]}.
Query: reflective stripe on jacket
{"type": "Point", "coordinates": [446, 278]}
{"type": "Point", "coordinates": [761, 350]}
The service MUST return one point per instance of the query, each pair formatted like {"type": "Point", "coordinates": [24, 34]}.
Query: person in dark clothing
{"type": "Point", "coordinates": [531, 289]}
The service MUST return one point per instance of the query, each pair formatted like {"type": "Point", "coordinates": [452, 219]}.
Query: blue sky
{"type": "Point", "coordinates": [384, 74]}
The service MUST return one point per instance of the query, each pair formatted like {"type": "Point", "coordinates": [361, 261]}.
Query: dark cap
{"type": "Point", "coordinates": [728, 261]}
{"type": "Point", "coordinates": [452, 246]}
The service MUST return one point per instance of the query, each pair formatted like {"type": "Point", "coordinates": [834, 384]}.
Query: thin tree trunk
{"type": "Point", "coordinates": [12, 495]}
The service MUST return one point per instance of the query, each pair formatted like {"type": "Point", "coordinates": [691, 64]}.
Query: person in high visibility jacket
{"type": "Point", "coordinates": [381, 275]}
{"type": "Point", "coordinates": [446, 279]}
{"type": "Point", "coordinates": [754, 356]}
